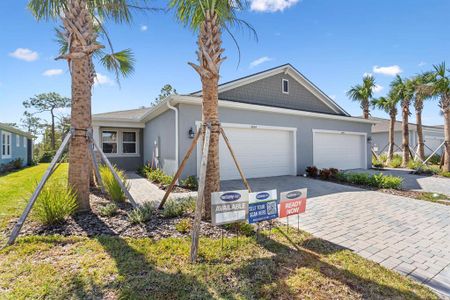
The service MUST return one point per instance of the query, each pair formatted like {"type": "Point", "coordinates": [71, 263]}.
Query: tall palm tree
{"type": "Point", "coordinates": [389, 105]}
{"type": "Point", "coordinates": [422, 92]}
{"type": "Point", "coordinates": [404, 90]}
{"type": "Point", "coordinates": [363, 94]}
{"type": "Point", "coordinates": [78, 19]}
{"type": "Point", "coordinates": [208, 18]}
{"type": "Point", "coordinates": [441, 88]}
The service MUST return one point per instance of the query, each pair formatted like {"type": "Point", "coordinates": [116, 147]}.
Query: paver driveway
{"type": "Point", "coordinates": [407, 235]}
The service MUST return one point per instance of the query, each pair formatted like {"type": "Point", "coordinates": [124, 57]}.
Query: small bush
{"type": "Point", "coordinates": [435, 159]}
{"type": "Point", "coordinates": [177, 207]}
{"type": "Point", "coordinates": [17, 163]}
{"type": "Point", "coordinates": [157, 176]}
{"type": "Point", "coordinates": [184, 225]}
{"type": "Point", "coordinates": [385, 181]}
{"type": "Point", "coordinates": [312, 171]}
{"type": "Point", "coordinates": [108, 210]}
{"type": "Point", "coordinates": [47, 156]}
{"type": "Point", "coordinates": [142, 214]}
{"type": "Point", "coordinates": [241, 227]}
{"type": "Point", "coordinates": [446, 174]}
{"type": "Point", "coordinates": [414, 164]}
{"type": "Point", "coordinates": [383, 157]}
{"type": "Point", "coordinates": [396, 161]}
{"type": "Point", "coordinates": [190, 182]}
{"type": "Point", "coordinates": [325, 174]}
{"type": "Point", "coordinates": [428, 170]}
{"type": "Point", "coordinates": [110, 184]}
{"type": "Point", "coordinates": [55, 203]}
{"type": "Point", "coordinates": [358, 178]}
{"type": "Point", "coordinates": [377, 163]}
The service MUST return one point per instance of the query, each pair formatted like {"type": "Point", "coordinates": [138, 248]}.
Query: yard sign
{"type": "Point", "coordinates": [262, 206]}
{"type": "Point", "coordinates": [229, 207]}
{"type": "Point", "coordinates": [292, 203]}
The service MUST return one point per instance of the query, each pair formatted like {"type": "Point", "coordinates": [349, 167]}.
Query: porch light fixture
{"type": "Point", "coordinates": [191, 133]}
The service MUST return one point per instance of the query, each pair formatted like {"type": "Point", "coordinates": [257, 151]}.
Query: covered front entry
{"type": "Point", "coordinates": [339, 149]}
{"type": "Point", "coordinates": [262, 151]}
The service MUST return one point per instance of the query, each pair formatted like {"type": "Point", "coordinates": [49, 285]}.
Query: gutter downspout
{"type": "Point", "coordinates": [176, 129]}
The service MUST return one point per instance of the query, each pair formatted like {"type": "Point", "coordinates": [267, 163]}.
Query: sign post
{"type": "Point", "coordinates": [293, 203]}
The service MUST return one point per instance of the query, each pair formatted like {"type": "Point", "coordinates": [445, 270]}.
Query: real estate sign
{"type": "Point", "coordinates": [229, 207]}
{"type": "Point", "coordinates": [262, 206]}
{"type": "Point", "coordinates": [292, 202]}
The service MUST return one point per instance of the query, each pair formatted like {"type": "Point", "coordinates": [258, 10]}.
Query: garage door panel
{"type": "Point", "coordinates": [339, 150]}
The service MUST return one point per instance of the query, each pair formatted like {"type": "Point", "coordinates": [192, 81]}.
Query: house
{"type": "Point", "coordinates": [433, 137]}
{"type": "Point", "coordinates": [15, 144]}
{"type": "Point", "coordinates": [277, 121]}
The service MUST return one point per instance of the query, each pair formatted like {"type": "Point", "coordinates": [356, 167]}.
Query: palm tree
{"type": "Point", "coordinates": [78, 18]}
{"type": "Point", "coordinates": [363, 94]}
{"type": "Point", "coordinates": [422, 92]}
{"type": "Point", "coordinates": [208, 18]}
{"type": "Point", "coordinates": [389, 105]}
{"type": "Point", "coordinates": [404, 90]}
{"type": "Point", "coordinates": [441, 88]}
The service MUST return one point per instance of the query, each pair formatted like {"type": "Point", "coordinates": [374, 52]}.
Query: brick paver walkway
{"type": "Point", "coordinates": [406, 235]}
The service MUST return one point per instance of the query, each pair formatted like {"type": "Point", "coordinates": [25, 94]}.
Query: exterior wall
{"type": "Point", "coordinates": [161, 130]}
{"type": "Point", "coordinates": [189, 114]}
{"type": "Point", "coordinates": [16, 152]}
{"type": "Point", "coordinates": [268, 92]}
{"type": "Point", "coordinates": [124, 162]}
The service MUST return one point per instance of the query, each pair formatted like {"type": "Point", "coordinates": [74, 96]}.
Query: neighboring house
{"type": "Point", "coordinates": [14, 144]}
{"type": "Point", "coordinates": [433, 137]}
{"type": "Point", "coordinates": [277, 121]}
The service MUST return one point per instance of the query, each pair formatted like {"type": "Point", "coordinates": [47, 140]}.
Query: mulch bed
{"type": "Point", "coordinates": [92, 224]}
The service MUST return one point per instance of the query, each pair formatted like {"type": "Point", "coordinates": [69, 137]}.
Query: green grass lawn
{"type": "Point", "coordinates": [273, 266]}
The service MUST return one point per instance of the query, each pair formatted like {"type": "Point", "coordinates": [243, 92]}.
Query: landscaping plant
{"type": "Point", "coordinates": [178, 207]}
{"type": "Point", "coordinates": [396, 161]}
{"type": "Point", "coordinates": [184, 225]}
{"type": "Point", "coordinates": [158, 176]}
{"type": "Point", "coordinates": [142, 214]}
{"type": "Point", "coordinates": [55, 203]}
{"type": "Point", "coordinates": [108, 210]}
{"type": "Point", "coordinates": [110, 183]}
{"type": "Point", "coordinates": [312, 171]}
{"type": "Point", "coordinates": [190, 182]}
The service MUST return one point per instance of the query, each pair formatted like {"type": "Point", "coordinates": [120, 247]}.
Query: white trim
{"type": "Point", "coordinates": [17, 140]}
{"type": "Point", "coordinates": [25, 142]}
{"type": "Point", "coordinates": [120, 132]}
{"type": "Point", "coordinates": [283, 80]}
{"type": "Point", "coordinates": [364, 134]}
{"type": "Point", "coordinates": [116, 123]}
{"type": "Point", "coordinates": [176, 131]}
{"type": "Point", "coordinates": [252, 126]}
{"type": "Point", "coordinates": [4, 134]}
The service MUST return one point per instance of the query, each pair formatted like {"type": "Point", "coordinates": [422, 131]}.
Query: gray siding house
{"type": "Point", "coordinates": [277, 121]}
{"type": "Point", "coordinates": [433, 137]}
{"type": "Point", "coordinates": [15, 144]}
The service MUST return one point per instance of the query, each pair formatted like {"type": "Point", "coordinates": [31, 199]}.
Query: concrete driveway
{"type": "Point", "coordinates": [413, 182]}
{"type": "Point", "coordinates": [403, 234]}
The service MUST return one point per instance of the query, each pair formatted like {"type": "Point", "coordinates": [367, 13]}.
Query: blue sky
{"type": "Point", "coordinates": [333, 43]}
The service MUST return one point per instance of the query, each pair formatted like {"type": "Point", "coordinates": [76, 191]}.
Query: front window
{"type": "Point", "coordinates": [129, 142]}
{"type": "Point", "coordinates": [109, 141]}
{"type": "Point", "coordinates": [6, 144]}
{"type": "Point", "coordinates": [17, 140]}
{"type": "Point", "coordinates": [285, 86]}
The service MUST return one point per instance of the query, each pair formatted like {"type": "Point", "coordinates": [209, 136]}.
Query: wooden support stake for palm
{"type": "Point", "coordinates": [200, 197]}
{"type": "Point", "coordinates": [97, 171]}
{"type": "Point", "coordinates": [180, 168]}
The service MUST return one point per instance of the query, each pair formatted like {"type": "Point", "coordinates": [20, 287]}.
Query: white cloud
{"type": "Point", "coordinates": [144, 28]}
{"type": "Point", "coordinates": [52, 72]}
{"type": "Point", "coordinates": [101, 79]}
{"type": "Point", "coordinates": [271, 5]}
{"type": "Point", "coordinates": [390, 70]}
{"type": "Point", "coordinates": [422, 63]}
{"type": "Point", "coordinates": [378, 88]}
{"type": "Point", "coordinates": [25, 54]}
{"type": "Point", "coordinates": [259, 61]}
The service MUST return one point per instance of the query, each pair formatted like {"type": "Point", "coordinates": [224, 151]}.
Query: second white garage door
{"type": "Point", "coordinates": [261, 151]}
{"type": "Point", "coordinates": [341, 150]}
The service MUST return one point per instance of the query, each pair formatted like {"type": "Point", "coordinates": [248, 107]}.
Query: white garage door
{"type": "Point", "coordinates": [341, 150]}
{"type": "Point", "coordinates": [261, 151]}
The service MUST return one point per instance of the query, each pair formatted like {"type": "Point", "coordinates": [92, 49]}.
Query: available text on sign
{"type": "Point", "coordinates": [292, 203]}
{"type": "Point", "coordinates": [229, 207]}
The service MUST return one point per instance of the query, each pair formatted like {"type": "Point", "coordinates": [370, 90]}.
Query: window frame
{"type": "Point", "coordinates": [120, 142]}
{"type": "Point", "coordinates": [127, 142]}
{"type": "Point", "coordinates": [283, 80]}
{"type": "Point", "coordinates": [17, 141]}
{"type": "Point", "coordinates": [115, 142]}
{"type": "Point", "coordinates": [25, 142]}
{"type": "Point", "coordinates": [4, 135]}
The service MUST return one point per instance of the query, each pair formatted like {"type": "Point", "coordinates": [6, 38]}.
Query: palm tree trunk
{"type": "Point", "coordinates": [366, 111]}
{"type": "Point", "coordinates": [446, 110]}
{"type": "Point", "coordinates": [77, 16]}
{"type": "Point", "coordinates": [391, 137]}
{"type": "Point", "coordinates": [405, 129]}
{"type": "Point", "coordinates": [209, 57]}
{"type": "Point", "coordinates": [421, 145]}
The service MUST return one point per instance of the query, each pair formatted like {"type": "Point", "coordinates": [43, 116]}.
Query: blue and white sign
{"type": "Point", "coordinates": [229, 207]}
{"type": "Point", "coordinates": [262, 206]}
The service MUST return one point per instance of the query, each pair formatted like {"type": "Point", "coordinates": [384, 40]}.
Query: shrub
{"type": "Point", "coordinates": [396, 161]}
{"type": "Point", "coordinates": [435, 159]}
{"type": "Point", "coordinates": [142, 214]}
{"type": "Point", "coordinates": [190, 182]}
{"type": "Point", "coordinates": [312, 171]}
{"type": "Point", "coordinates": [325, 174]}
{"type": "Point", "coordinates": [184, 225]}
{"type": "Point", "coordinates": [446, 174]}
{"type": "Point", "coordinates": [358, 178]}
{"type": "Point", "coordinates": [108, 210]}
{"type": "Point", "coordinates": [413, 164]}
{"type": "Point", "coordinates": [17, 163]}
{"type": "Point", "coordinates": [55, 203]}
{"type": "Point", "coordinates": [158, 176]}
{"type": "Point", "coordinates": [243, 228]}
{"type": "Point", "coordinates": [110, 184]}
{"type": "Point", "coordinates": [377, 163]}
{"type": "Point", "coordinates": [47, 156]}
{"type": "Point", "coordinates": [341, 176]}
{"type": "Point", "coordinates": [385, 181]}
{"type": "Point", "coordinates": [383, 157]}
{"type": "Point", "coordinates": [177, 207]}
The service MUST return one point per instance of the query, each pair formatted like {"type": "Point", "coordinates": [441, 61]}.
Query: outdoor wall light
{"type": "Point", "coordinates": [369, 139]}
{"type": "Point", "coordinates": [191, 133]}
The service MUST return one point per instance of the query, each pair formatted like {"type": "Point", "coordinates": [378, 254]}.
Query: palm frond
{"type": "Point", "coordinates": [120, 63]}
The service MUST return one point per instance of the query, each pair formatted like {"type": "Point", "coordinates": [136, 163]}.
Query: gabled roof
{"type": "Point", "coordinates": [129, 115]}
{"type": "Point", "coordinates": [15, 130]}
{"type": "Point", "coordinates": [286, 69]}
{"type": "Point", "coordinates": [383, 126]}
